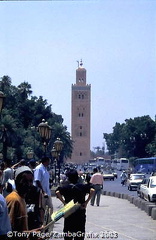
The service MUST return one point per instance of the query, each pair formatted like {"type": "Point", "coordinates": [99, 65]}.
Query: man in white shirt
{"type": "Point", "coordinates": [97, 182]}
{"type": "Point", "coordinates": [41, 179]}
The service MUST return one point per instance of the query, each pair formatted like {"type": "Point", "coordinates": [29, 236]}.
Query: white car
{"type": "Point", "coordinates": [148, 191]}
{"type": "Point", "coordinates": [134, 180]}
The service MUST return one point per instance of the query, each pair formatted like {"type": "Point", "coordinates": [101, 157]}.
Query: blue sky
{"type": "Point", "coordinates": [41, 41]}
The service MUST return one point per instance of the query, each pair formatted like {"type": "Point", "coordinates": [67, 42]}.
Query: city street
{"type": "Point", "coordinates": [115, 186]}
{"type": "Point", "coordinates": [114, 219]}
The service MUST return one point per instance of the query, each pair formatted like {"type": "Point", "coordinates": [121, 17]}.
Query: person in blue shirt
{"type": "Point", "coordinates": [5, 225]}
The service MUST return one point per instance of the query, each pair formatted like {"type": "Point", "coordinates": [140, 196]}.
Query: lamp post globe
{"type": "Point", "coordinates": [54, 153]}
{"type": "Point", "coordinates": [45, 132]}
{"type": "Point", "coordinates": [58, 144]}
{"type": "Point", "coordinates": [43, 129]}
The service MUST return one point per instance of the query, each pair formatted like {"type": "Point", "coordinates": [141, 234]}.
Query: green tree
{"type": "Point", "coordinates": [131, 138]}
{"type": "Point", "coordinates": [21, 111]}
{"type": "Point", "coordinates": [24, 90]}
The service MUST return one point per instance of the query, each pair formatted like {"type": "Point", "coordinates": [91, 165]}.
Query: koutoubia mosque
{"type": "Point", "coordinates": [81, 116]}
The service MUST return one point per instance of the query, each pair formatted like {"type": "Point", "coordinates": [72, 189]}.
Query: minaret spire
{"type": "Point", "coordinates": [80, 63]}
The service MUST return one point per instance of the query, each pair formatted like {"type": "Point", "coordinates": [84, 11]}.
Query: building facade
{"type": "Point", "coordinates": [80, 117]}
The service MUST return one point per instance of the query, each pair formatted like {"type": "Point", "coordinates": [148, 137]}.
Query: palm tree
{"type": "Point", "coordinates": [24, 90]}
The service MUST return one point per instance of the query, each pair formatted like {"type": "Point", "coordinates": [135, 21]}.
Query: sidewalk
{"type": "Point", "coordinates": [115, 218]}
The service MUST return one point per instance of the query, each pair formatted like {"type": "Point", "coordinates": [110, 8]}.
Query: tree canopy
{"type": "Point", "coordinates": [21, 114]}
{"type": "Point", "coordinates": [134, 138]}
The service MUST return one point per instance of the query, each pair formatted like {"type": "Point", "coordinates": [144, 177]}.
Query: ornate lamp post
{"type": "Point", "coordinates": [58, 145]}
{"type": "Point", "coordinates": [54, 155]}
{"type": "Point", "coordinates": [45, 133]}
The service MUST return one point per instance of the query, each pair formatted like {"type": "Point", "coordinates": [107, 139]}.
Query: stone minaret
{"type": "Point", "coordinates": [80, 122]}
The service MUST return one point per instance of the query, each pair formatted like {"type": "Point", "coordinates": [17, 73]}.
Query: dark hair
{"type": "Point", "coordinates": [22, 162]}
{"type": "Point", "coordinates": [45, 159]}
{"type": "Point", "coordinates": [95, 170]}
{"type": "Point", "coordinates": [8, 162]}
{"type": "Point", "coordinates": [72, 176]}
{"type": "Point", "coordinates": [32, 162]}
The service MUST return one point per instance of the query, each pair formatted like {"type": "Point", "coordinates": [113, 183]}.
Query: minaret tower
{"type": "Point", "coordinates": [80, 122]}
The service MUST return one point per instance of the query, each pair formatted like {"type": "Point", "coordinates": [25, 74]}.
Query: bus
{"type": "Point", "coordinates": [114, 163]}
{"type": "Point", "coordinates": [145, 165]}
{"type": "Point", "coordinates": [100, 160]}
{"type": "Point", "coordinates": [122, 164]}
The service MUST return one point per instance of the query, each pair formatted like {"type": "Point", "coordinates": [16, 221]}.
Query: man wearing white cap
{"type": "Point", "coordinates": [16, 200]}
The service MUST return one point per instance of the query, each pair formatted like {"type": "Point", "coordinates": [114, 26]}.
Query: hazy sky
{"type": "Point", "coordinates": [41, 41]}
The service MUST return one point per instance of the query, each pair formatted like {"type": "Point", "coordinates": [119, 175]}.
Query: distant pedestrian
{"type": "Point", "coordinates": [8, 174]}
{"type": "Point", "coordinates": [74, 225]}
{"type": "Point", "coordinates": [88, 177]}
{"type": "Point", "coordinates": [97, 181]}
{"type": "Point", "coordinates": [123, 177]}
{"type": "Point", "coordinates": [5, 225]}
{"type": "Point", "coordinates": [42, 181]}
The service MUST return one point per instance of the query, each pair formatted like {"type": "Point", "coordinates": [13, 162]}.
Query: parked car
{"type": "Point", "coordinates": [148, 190]}
{"type": "Point", "coordinates": [138, 187]}
{"type": "Point", "coordinates": [134, 180]}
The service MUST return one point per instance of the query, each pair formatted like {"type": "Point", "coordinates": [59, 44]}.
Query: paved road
{"type": "Point", "coordinates": [114, 219]}
{"type": "Point", "coordinates": [115, 186]}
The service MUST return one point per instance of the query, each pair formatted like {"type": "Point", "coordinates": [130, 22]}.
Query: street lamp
{"type": "Point", "coordinates": [45, 133]}
{"type": "Point", "coordinates": [54, 155]}
{"type": "Point", "coordinates": [58, 145]}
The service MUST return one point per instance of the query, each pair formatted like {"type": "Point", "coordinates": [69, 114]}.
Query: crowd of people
{"type": "Point", "coordinates": [25, 194]}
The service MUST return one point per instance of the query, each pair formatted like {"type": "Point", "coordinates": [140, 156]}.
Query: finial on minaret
{"type": "Point", "coordinates": [81, 63]}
